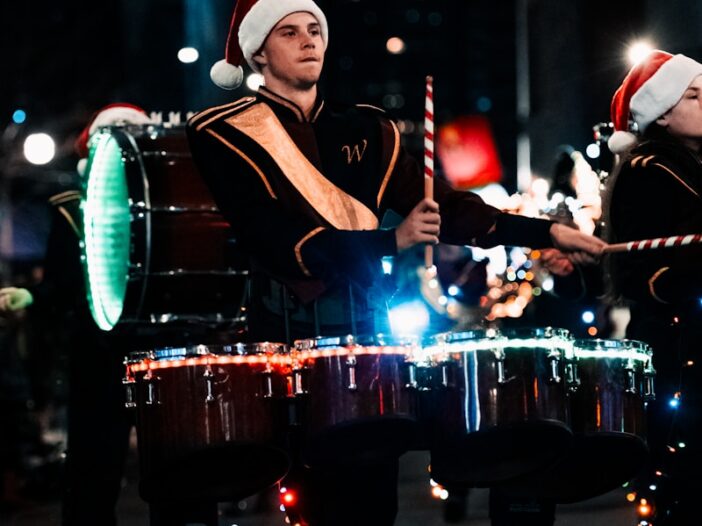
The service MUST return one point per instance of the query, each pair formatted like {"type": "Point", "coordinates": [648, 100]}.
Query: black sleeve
{"type": "Point", "coordinates": [647, 203]}
{"type": "Point", "coordinates": [289, 243]}
{"type": "Point", "coordinates": [465, 218]}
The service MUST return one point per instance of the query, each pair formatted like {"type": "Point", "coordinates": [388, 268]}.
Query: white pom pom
{"type": "Point", "coordinates": [621, 141]}
{"type": "Point", "coordinates": [82, 165]}
{"type": "Point", "coordinates": [226, 75]}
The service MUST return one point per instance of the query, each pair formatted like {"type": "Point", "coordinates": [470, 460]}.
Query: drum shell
{"type": "Point", "coordinates": [475, 398]}
{"type": "Point", "coordinates": [381, 389]}
{"type": "Point", "coordinates": [603, 400]}
{"type": "Point", "coordinates": [176, 421]}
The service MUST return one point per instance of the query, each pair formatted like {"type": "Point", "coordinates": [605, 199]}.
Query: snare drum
{"type": "Point", "coordinates": [500, 404]}
{"type": "Point", "coordinates": [613, 380]}
{"type": "Point", "coordinates": [355, 398]}
{"type": "Point", "coordinates": [209, 419]}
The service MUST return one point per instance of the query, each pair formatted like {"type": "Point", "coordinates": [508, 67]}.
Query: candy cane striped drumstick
{"type": "Point", "coordinates": [656, 243]}
{"type": "Point", "coordinates": [429, 158]}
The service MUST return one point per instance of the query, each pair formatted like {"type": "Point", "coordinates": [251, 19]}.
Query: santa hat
{"type": "Point", "coordinates": [110, 115]}
{"type": "Point", "coordinates": [251, 23]}
{"type": "Point", "coordinates": [650, 89]}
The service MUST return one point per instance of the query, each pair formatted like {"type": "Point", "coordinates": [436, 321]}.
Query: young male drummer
{"type": "Point", "coordinates": [304, 183]}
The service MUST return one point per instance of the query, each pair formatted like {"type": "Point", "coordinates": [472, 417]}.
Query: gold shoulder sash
{"type": "Point", "coordinates": [340, 209]}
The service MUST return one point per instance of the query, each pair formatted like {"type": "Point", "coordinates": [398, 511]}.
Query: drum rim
{"type": "Point", "coordinates": [632, 348]}
{"type": "Point", "coordinates": [349, 340]}
{"type": "Point", "coordinates": [193, 351]}
{"type": "Point", "coordinates": [546, 332]}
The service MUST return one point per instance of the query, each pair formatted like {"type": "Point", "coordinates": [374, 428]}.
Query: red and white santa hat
{"type": "Point", "coordinates": [110, 115]}
{"type": "Point", "coordinates": [251, 24]}
{"type": "Point", "coordinates": [651, 88]}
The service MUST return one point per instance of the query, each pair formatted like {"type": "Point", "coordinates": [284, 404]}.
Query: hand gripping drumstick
{"type": "Point", "coordinates": [429, 159]}
{"type": "Point", "coordinates": [656, 243]}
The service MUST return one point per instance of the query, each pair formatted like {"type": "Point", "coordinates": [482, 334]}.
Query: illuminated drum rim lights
{"type": "Point", "coordinates": [617, 349]}
{"type": "Point", "coordinates": [500, 343]}
{"type": "Point", "coordinates": [106, 220]}
{"type": "Point", "coordinates": [266, 354]}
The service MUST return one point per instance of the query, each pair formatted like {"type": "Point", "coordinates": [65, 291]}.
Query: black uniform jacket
{"type": "Point", "coordinates": [658, 193]}
{"type": "Point", "coordinates": [306, 196]}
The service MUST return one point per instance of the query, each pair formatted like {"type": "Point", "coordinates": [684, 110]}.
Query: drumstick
{"type": "Point", "coordinates": [655, 243]}
{"type": "Point", "coordinates": [429, 159]}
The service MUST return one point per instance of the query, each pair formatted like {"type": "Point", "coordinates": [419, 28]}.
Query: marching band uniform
{"type": "Point", "coordinates": [306, 198]}
{"type": "Point", "coordinates": [665, 288]}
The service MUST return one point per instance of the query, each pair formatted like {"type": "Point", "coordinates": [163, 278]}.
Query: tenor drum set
{"type": "Point", "coordinates": [532, 411]}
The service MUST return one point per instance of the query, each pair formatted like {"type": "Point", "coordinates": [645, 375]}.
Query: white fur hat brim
{"type": "Point", "coordinates": [663, 90]}
{"type": "Point", "coordinates": [264, 15]}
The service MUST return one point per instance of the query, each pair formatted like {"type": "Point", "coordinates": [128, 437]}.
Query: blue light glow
{"type": "Point", "coordinates": [588, 317]}
{"type": "Point", "coordinates": [409, 318]}
{"type": "Point", "coordinates": [19, 116]}
{"type": "Point", "coordinates": [387, 265]}
{"type": "Point", "coordinates": [674, 403]}
{"type": "Point", "coordinates": [453, 290]}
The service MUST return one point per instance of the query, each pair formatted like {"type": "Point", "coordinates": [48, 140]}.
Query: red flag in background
{"type": "Point", "coordinates": [467, 151]}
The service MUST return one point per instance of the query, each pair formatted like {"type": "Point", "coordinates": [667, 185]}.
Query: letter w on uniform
{"type": "Point", "coordinates": [357, 151]}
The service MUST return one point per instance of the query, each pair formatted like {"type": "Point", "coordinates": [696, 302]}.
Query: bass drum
{"type": "Point", "coordinates": [156, 249]}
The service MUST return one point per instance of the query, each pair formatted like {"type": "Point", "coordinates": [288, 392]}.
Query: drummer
{"type": "Point", "coordinates": [98, 423]}
{"type": "Point", "coordinates": [655, 192]}
{"type": "Point", "coordinates": [304, 183]}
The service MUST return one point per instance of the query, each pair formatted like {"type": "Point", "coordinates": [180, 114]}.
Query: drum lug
{"type": "Point", "coordinates": [267, 384]}
{"type": "Point", "coordinates": [500, 366]}
{"type": "Point", "coordinates": [298, 382]}
{"type": "Point", "coordinates": [412, 380]}
{"type": "Point", "coordinates": [572, 378]}
{"type": "Point", "coordinates": [209, 384]}
{"type": "Point", "coordinates": [630, 381]}
{"type": "Point", "coordinates": [649, 389]}
{"type": "Point", "coordinates": [130, 392]}
{"type": "Point", "coordinates": [554, 361]}
{"type": "Point", "coordinates": [444, 375]}
{"type": "Point", "coordinates": [151, 389]}
{"type": "Point", "coordinates": [351, 364]}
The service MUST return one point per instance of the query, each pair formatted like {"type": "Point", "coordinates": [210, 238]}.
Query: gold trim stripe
{"type": "Point", "coordinates": [645, 162]}
{"type": "Point", "coordinates": [64, 197]}
{"type": "Point", "coordinates": [391, 166]}
{"type": "Point", "coordinates": [283, 102]}
{"type": "Point", "coordinates": [247, 159]}
{"type": "Point", "coordinates": [338, 208]}
{"type": "Point", "coordinates": [381, 110]}
{"type": "Point", "coordinates": [208, 111]}
{"type": "Point", "coordinates": [70, 220]}
{"type": "Point", "coordinates": [298, 249]}
{"type": "Point", "coordinates": [225, 112]}
{"type": "Point", "coordinates": [316, 114]}
{"type": "Point", "coordinates": [678, 178]}
{"type": "Point", "coordinates": [651, 283]}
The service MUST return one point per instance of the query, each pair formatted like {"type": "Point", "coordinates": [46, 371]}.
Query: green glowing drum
{"type": "Point", "coordinates": [156, 249]}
